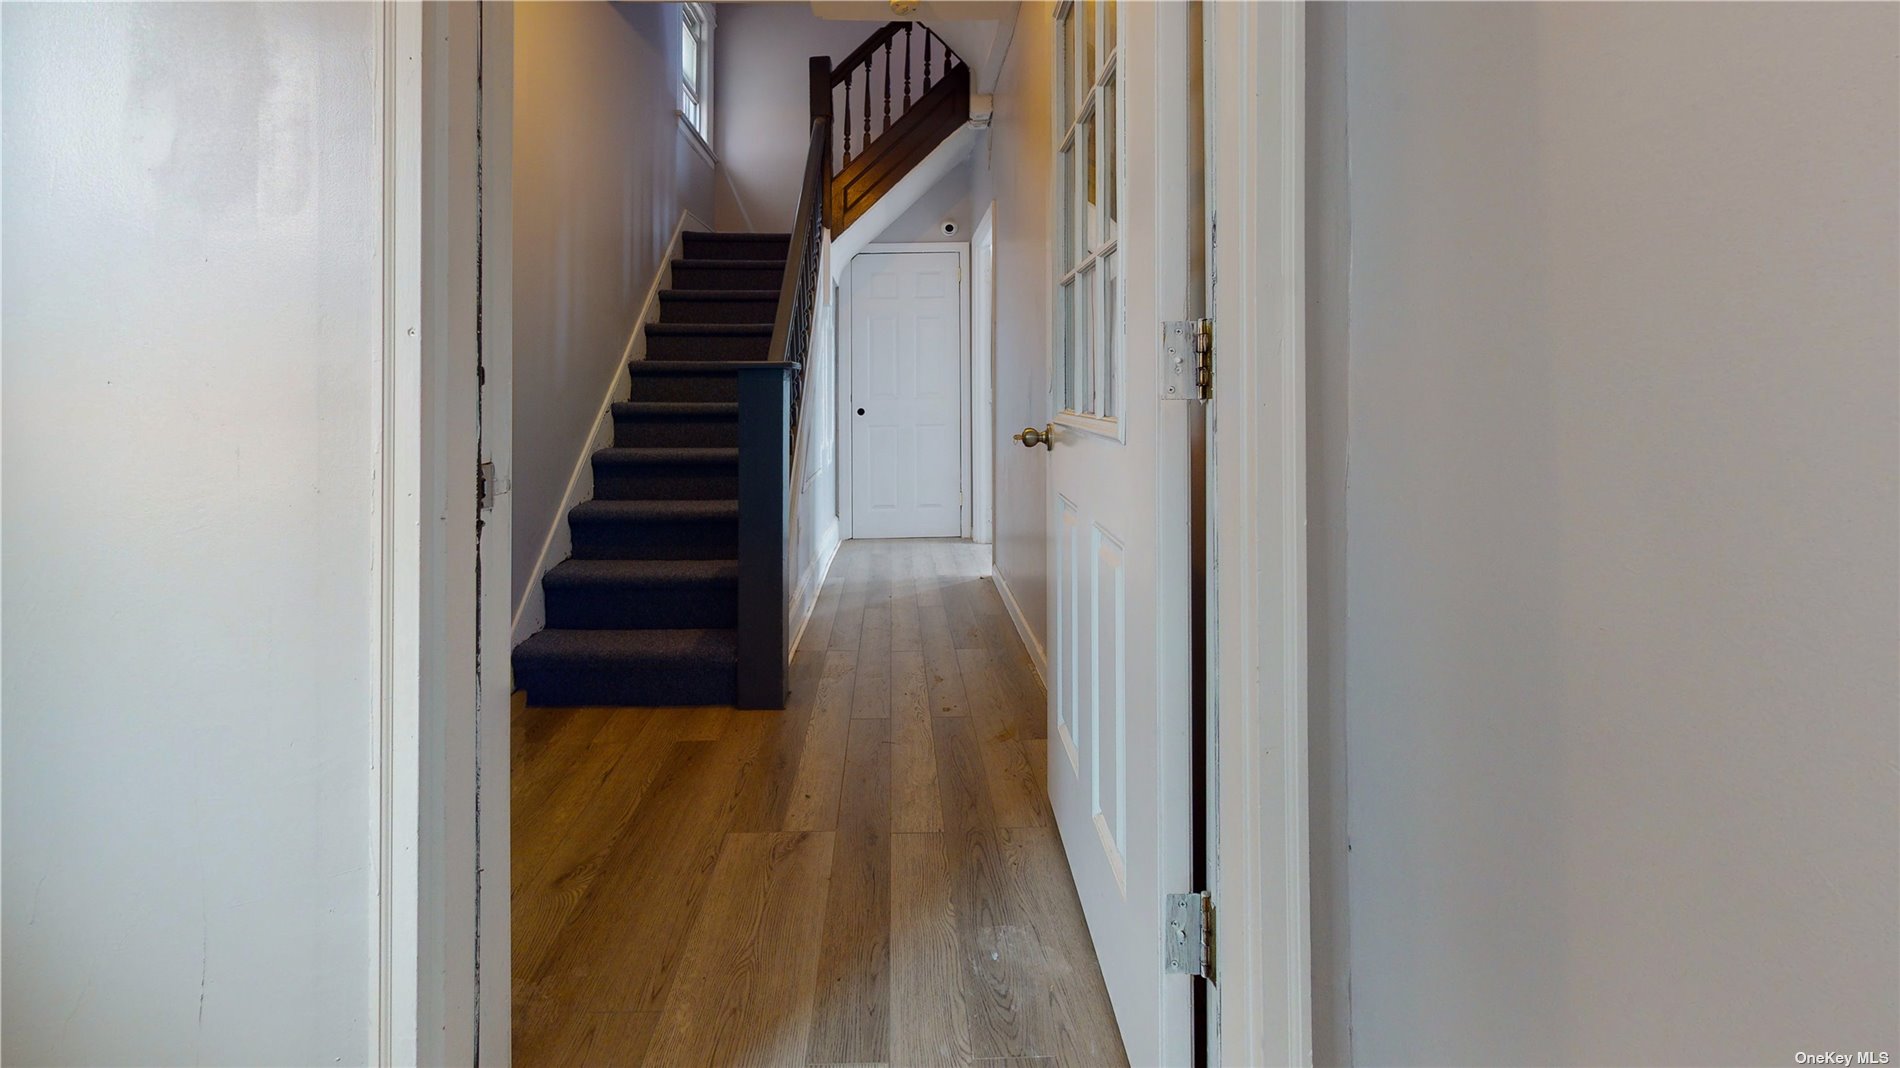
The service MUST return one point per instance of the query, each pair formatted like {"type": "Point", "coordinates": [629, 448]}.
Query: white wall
{"type": "Point", "coordinates": [762, 99]}
{"type": "Point", "coordinates": [1018, 176]}
{"type": "Point", "coordinates": [1620, 559]}
{"type": "Point", "coordinates": [191, 202]}
{"type": "Point", "coordinates": [602, 172]}
{"type": "Point", "coordinates": [948, 199]}
{"type": "Point", "coordinates": [814, 505]}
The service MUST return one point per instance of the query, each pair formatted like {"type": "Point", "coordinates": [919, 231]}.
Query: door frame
{"type": "Point", "coordinates": [440, 559]}
{"type": "Point", "coordinates": [1256, 122]}
{"type": "Point", "coordinates": [847, 472]}
{"type": "Point", "coordinates": [982, 345]}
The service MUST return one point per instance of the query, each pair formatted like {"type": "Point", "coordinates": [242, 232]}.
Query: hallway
{"type": "Point", "coordinates": [871, 876]}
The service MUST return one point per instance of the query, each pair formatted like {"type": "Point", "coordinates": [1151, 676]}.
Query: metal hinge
{"type": "Point", "coordinates": [485, 486]}
{"type": "Point", "coordinates": [1191, 935]}
{"type": "Point", "coordinates": [1187, 359]}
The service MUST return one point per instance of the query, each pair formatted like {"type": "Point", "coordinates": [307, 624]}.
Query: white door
{"type": "Point", "coordinates": [1119, 526]}
{"type": "Point", "coordinates": [906, 395]}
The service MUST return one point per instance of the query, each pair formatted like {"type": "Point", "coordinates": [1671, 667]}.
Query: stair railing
{"type": "Point", "coordinates": [879, 138]}
{"type": "Point", "coordinates": [770, 397]}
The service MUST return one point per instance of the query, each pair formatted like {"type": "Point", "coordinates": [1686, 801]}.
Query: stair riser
{"type": "Point", "coordinates": [656, 433]}
{"type": "Point", "coordinates": [695, 539]}
{"type": "Point", "coordinates": [634, 684]}
{"type": "Point", "coordinates": [709, 347]}
{"type": "Point", "coordinates": [650, 387]}
{"type": "Point", "coordinates": [685, 277]}
{"type": "Point", "coordinates": [706, 247]}
{"type": "Point", "coordinates": [718, 311]}
{"type": "Point", "coordinates": [697, 484]}
{"type": "Point", "coordinates": [687, 607]}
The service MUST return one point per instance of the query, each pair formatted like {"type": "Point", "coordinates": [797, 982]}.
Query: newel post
{"type": "Point", "coordinates": [765, 407]}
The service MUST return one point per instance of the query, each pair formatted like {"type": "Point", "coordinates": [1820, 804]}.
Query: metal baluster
{"type": "Point", "coordinates": [847, 116]}
{"type": "Point", "coordinates": [867, 102]}
{"type": "Point", "coordinates": [887, 83]}
{"type": "Point", "coordinates": [907, 29]}
{"type": "Point", "coordinates": [927, 36]}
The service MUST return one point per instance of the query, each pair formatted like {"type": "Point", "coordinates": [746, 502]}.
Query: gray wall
{"type": "Point", "coordinates": [1013, 165]}
{"type": "Point", "coordinates": [762, 100]}
{"type": "Point", "coordinates": [602, 171]}
{"type": "Point", "coordinates": [1620, 677]}
{"type": "Point", "coordinates": [192, 329]}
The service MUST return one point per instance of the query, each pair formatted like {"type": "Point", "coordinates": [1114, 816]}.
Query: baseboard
{"type": "Point", "coordinates": [809, 585]}
{"type": "Point", "coordinates": [531, 613]}
{"type": "Point", "coordinates": [1037, 658]}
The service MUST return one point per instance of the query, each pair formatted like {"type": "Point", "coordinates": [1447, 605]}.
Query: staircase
{"type": "Point", "coordinates": [676, 590]}
{"type": "Point", "coordinates": [646, 611]}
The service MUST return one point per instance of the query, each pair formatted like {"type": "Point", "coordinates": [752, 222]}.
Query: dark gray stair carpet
{"type": "Point", "coordinates": [645, 610]}
{"type": "Point", "coordinates": [718, 305]}
{"type": "Point", "coordinates": [642, 594]}
{"type": "Point", "coordinates": [708, 341]}
{"type": "Point", "coordinates": [663, 473]}
{"type": "Point", "coordinates": [629, 667]}
{"type": "Point", "coordinates": [655, 530]}
{"type": "Point", "coordinates": [704, 246]}
{"type": "Point", "coordinates": [676, 423]}
{"type": "Point", "coordinates": [728, 274]}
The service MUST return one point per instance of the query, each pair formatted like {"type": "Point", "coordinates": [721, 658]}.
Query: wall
{"type": "Point", "coordinates": [948, 199]}
{"type": "Point", "coordinates": [814, 506]}
{"type": "Point", "coordinates": [1620, 557]}
{"type": "Point", "coordinates": [1018, 177]}
{"type": "Point", "coordinates": [191, 200]}
{"type": "Point", "coordinates": [761, 93]}
{"type": "Point", "coordinates": [602, 172]}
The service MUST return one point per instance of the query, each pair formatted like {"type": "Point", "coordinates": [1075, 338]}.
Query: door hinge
{"type": "Point", "coordinates": [1187, 359]}
{"type": "Point", "coordinates": [485, 486]}
{"type": "Point", "coordinates": [1191, 935]}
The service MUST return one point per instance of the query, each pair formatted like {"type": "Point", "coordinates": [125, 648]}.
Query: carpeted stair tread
{"type": "Point", "coordinates": [675, 410]}
{"type": "Point", "coordinates": [626, 647]}
{"type": "Point", "coordinates": [709, 329]}
{"type": "Point", "coordinates": [652, 455]}
{"type": "Point", "coordinates": [733, 265]}
{"type": "Point", "coordinates": [688, 367]}
{"type": "Point", "coordinates": [641, 574]}
{"type": "Point", "coordinates": [728, 295]}
{"type": "Point", "coordinates": [736, 235]}
{"type": "Point", "coordinates": [651, 511]}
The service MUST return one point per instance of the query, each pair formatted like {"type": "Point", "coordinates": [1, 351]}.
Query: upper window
{"type": "Point", "coordinates": [696, 29]}
{"type": "Point", "coordinates": [1088, 265]}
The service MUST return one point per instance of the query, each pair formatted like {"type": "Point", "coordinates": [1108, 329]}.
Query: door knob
{"type": "Point", "coordinates": [1031, 437]}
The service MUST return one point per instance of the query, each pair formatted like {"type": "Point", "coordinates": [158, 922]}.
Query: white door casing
{"type": "Point", "coordinates": [906, 405]}
{"type": "Point", "coordinates": [1120, 762]}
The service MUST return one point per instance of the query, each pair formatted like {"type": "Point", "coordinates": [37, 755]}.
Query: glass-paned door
{"type": "Point", "coordinates": [1088, 393]}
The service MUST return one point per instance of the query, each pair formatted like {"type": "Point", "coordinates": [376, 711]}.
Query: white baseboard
{"type": "Point", "coordinates": [811, 583]}
{"type": "Point", "coordinates": [531, 614]}
{"type": "Point", "coordinates": [1037, 658]}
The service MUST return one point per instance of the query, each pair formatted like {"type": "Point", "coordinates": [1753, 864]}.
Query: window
{"type": "Point", "coordinates": [1088, 271]}
{"type": "Point", "coordinates": [696, 27]}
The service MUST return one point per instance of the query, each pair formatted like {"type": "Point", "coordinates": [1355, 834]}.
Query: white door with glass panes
{"type": "Point", "coordinates": [1119, 706]}
{"type": "Point", "coordinates": [906, 395]}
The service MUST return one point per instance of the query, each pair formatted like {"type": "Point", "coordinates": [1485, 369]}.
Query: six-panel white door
{"type": "Point", "coordinates": [906, 395]}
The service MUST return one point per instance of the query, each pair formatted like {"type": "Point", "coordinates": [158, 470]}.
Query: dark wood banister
{"type": "Point", "coordinates": [877, 40]}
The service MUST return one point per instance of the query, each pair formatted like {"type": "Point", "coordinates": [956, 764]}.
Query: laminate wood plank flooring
{"type": "Point", "coordinates": [871, 876]}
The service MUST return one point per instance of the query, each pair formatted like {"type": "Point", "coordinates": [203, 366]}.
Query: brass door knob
{"type": "Point", "coordinates": [1031, 437]}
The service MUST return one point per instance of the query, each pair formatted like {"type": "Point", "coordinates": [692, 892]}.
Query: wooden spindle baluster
{"type": "Point", "coordinates": [907, 29]}
{"type": "Point", "coordinates": [847, 116]}
{"type": "Point", "coordinates": [927, 36]}
{"type": "Point", "coordinates": [867, 102]}
{"type": "Point", "coordinates": [887, 85]}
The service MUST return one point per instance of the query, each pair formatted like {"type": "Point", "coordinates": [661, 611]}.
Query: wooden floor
{"type": "Point", "coordinates": [871, 876]}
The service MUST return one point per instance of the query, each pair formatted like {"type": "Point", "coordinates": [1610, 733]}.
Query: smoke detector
{"type": "Point", "coordinates": [905, 7]}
